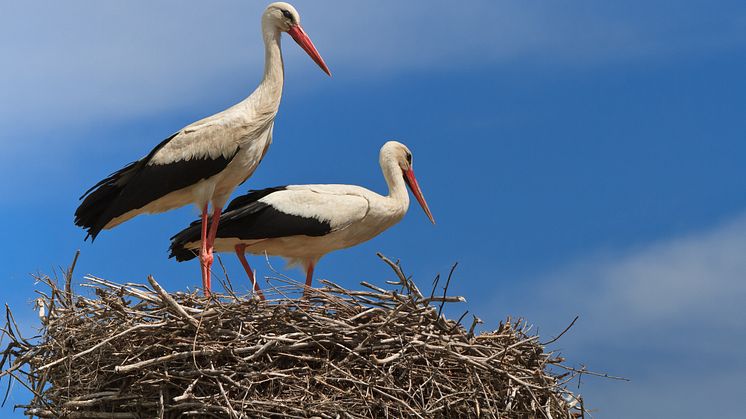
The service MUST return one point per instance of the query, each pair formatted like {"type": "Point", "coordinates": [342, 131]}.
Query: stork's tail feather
{"type": "Point", "coordinates": [178, 247]}
{"type": "Point", "coordinates": [92, 215]}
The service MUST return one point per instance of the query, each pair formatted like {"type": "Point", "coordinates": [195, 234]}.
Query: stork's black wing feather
{"type": "Point", "coordinates": [253, 196]}
{"type": "Point", "coordinates": [246, 218]}
{"type": "Point", "coordinates": [138, 184]}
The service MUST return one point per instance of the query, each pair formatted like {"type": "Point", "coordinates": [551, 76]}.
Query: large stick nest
{"type": "Point", "coordinates": [136, 351]}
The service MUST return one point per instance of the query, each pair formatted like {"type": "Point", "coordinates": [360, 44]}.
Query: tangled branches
{"type": "Point", "coordinates": [135, 351]}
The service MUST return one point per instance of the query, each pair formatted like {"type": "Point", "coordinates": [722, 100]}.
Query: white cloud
{"type": "Point", "coordinates": [79, 65]}
{"type": "Point", "coordinates": [79, 60]}
{"type": "Point", "coordinates": [674, 283]}
{"type": "Point", "coordinates": [74, 61]}
{"type": "Point", "coordinates": [668, 315]}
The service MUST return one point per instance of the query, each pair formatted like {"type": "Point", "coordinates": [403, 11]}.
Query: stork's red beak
{"type": "Point", "coordinates": [305, 42]}
{"type": "Point", "coordinates": [412, 183]}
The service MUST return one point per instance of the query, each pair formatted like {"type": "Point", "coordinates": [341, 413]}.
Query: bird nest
{"type": "Point", "coordinates": [136, 351]}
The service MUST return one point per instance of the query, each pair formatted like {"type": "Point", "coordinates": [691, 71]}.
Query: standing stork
{"type": "Point", "coordinates": [203, 162]}
{"type": "Point", "coordinates": [302, 223]}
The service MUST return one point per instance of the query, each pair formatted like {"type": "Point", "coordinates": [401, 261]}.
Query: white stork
{"type": "Point", "coordinates": [203, 162]}
{"type": "Point", "coordinates": [302, 223]}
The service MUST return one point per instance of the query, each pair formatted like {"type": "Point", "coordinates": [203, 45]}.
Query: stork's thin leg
{"type": "Point", "coordinates": [309, 279]}
{"type": "Point", "coordinates": [203, 254]}
{"type": "Point", "coordinates": [309, 275]}
{"type": "Point", "coordinates": [210, 243]}
{"type": "Point", "coordinates": [241, 253]}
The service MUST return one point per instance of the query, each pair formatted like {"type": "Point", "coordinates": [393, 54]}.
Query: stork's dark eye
{"type": "Point", "coordinates": [409, 158]}
{"type": "Point", "coordinates": [287, 14]}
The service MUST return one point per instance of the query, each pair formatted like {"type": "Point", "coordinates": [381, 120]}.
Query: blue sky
{"type": "Point", "coordinates": [582, 158]}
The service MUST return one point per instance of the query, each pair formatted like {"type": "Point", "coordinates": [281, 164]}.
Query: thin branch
{"type": "Point", "coordinates": [69, 280]}
{"type": "Point", "coordinates": [562, 333]}
{"type": "Point", "coordinates": [445, 289]}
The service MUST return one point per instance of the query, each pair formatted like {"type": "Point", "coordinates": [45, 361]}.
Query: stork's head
{"type": "Point", "coordinates": [399, 154]}
{"type": "Point", "coordinates": [285, 18]}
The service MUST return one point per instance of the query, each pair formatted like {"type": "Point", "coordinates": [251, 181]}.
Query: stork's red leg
{"type": "Point", "coordinates": [241, 253]}
{"type": "Point", "coordinates": [203, 254]}
{"type": "Point", "coordinates": [210, 243]}
{"type": "Point", "coordinates": [309, 275]}
{"type": "Point", "coordinates": [309, 278]}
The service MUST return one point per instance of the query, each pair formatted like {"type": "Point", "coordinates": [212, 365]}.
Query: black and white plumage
{"type": "Point", "coordinates": [302, 223]}
{"type": "Point", "coordinates": [144, 187]}
{"type": "Point", "coordinates": [204, 162]}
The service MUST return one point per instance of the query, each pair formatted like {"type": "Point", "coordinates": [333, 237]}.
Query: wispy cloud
{"type": "Point", "coordinates": [80, 60]}
{"type": "Point", "coordinates": [675, 283]}
{"type": "Point", "coordinates": [80, 65]}
{"type": "Point", "coordinates": [666, 315]}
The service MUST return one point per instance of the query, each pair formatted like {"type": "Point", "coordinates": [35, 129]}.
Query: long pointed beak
{"type": "Point", "coordinates": [412, 183]}
{"type": "Point", "coordinates": [299, 35]}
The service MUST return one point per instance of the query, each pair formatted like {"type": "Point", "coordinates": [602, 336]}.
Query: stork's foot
{"type": "Point", "coordinates": [209, 258]}
{"type": "Point", "coordinates": [205, 262]}
{"type": "Point", "coordinates": [240, 252]}
{"type": "Point", "coordinates": [205, 268]}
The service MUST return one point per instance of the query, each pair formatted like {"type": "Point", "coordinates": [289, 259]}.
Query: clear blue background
{"type": "Point", "coordinates": [580, 158]}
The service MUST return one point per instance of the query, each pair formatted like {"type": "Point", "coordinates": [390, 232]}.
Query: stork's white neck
{"type": "Point", "coordinates": [274, 70]}
{"type": "Point", "coordinates": [395, 181]}
{"type": "Point", "coordinates": [265, 100]}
